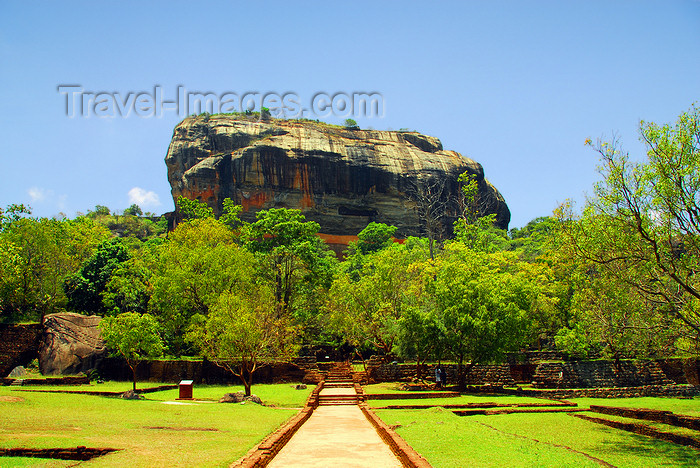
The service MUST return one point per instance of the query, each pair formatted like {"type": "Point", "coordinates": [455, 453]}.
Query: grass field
{"type": "Point", "coordinates": [544, 440]}
{"type": "Point", "coordinates": [156, 431]}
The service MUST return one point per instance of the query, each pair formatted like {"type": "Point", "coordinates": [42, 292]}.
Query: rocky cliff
{"type": "Point", "coordinates": [338, 177]}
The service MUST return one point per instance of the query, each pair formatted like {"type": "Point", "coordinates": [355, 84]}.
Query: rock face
{"type": "Point", "coordinates": [340, 178]}
{"type": "Point", "coordinates": [70, 344]}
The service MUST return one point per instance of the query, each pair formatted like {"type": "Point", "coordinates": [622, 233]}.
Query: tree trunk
{"type": "Point", "coordinates": [246, 377]}
{"type": "Point", "coordinates": [133, 374]}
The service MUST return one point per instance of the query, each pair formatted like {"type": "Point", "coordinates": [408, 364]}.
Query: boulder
{"type": "Point", "coordinates": [232, 397]}
{"type": "Point", "coordinates": [254, 399]}
{"type": "Point", "coordinates": [131, 395]}
{"type": "Point", "coordinates": [18, 371]}
{"type": "Point", "coordinates": [343, 179]}
{"type": "Point", "coordinates": [70, 344]}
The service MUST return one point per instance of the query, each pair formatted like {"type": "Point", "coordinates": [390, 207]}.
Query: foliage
{"type": "Point", "coordinates": [193, 209]}
{"type": "Point", "coordinates": [199, 261]}
{"type": "Point", "coordinates": [132, 336]}
{"type": "Point", "coordinates": [133, 210]}
{"type": "Point", "coordinates": [642, 229]}
{"type": "Point", "coordinates": [100, 210]}
{"type": "Point", "coordinates": [84, 289]}
{"type": "Point", "coordinates": [482, 303]}
{"type": "Point", "coordinates": [366, 308]}
{"type": "Point", "coordinates": [38, 255]}
{"type": "Point", "coordinates": [351, 124]}
{"type": "Point", "coordinates": [229, 215]}
{"type": "Point", "coordinates": [473, 228]}
{"type": "Point", "coordinates": [13, 213]}
{"type": "Point", "coordinates": [290, 254]}
{"type": "Point", "coordinates": [374, 237]}
{"type": "Point", "coordinates": [130, 286]}
{"type": "Point", "coordinates": [242, 331]}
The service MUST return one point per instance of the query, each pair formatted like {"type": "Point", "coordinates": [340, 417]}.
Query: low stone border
{"type": "Point", "coordinates": [483, 405]}
{"type": "Point", "coordinates": [69, 380]}
{"type": "Point", "coordinates": [263, 453]}
{"type": "Point", "coordinates": [100, 393]}
{"type": "Point", "coordinates": [487, 412]}
{"type": "Point", "coordinates": [77, 453]}
{"type": "Point", "coordinates": [614, 392]}
{"type": "Point", "coordinates": [405, 453]}
{"type": "Point", "coordinates": [643, 429]}
{"type": "Point", "coordinates": [409, 396]}
{"type": "Point", "coordinates": [665, 417]}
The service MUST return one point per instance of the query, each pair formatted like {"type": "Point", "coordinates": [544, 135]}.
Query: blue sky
{"type": "Point", "coordinates": [517, 86]}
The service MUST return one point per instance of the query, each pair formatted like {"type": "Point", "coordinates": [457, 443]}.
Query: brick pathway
{"type": "Point", "coordinates": [337, 434]}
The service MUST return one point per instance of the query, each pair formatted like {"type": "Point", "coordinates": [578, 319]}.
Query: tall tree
{"type": "Point", "coordinates": [242, 331]}
{"type": "Point", "coordinates": [48, 250]}
{"type": "Point", "coordinates": [199, 261]}
{"type": "Point", "coordinates": [132, 336]}
{"type": "Point", "coordinates": [642, 227]}
{"type": "Point", "coordinates": [366, 306]}
{"type": "Point", "coordinates": [482, 304]}
{"type": "Point", "coordinates": [84, 288]}
{"type": "Point", "coordinates": [290, 253]}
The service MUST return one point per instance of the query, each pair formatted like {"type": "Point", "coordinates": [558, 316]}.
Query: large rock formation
{"type": "Point", "coordinates": [71, 343]}
{"type": "Point", "coordinates": [340, 178]}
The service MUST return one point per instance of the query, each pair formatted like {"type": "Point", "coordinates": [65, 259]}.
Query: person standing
{"type": "Point", "coordinates": [438, 377]}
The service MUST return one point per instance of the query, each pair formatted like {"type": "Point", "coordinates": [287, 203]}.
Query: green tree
{"type": "Point", "coordinates": [130, 285]}
{"type": "Point", "coordinates": [482, 303]}
{"type": "Point", "coordinates": [374, 237]}
{"type": "Point", "coordinates": [351, 124]}
{"type": "Point", "coordinates": [642, 227]}
{"type": "Point", "coordinates": [474, 228]}
{"type": "Point", "coordinates": [366, 308]}
{"type": "Point", "coordinates": [84, 289]}
{"type": "Point", "coordinates": [193, 209]}
{"type": "Point", "coordinates": [132, 336]}
{"type": "Point", "coordinates": [242, 331]}
{"type": "Point", "coordinates": [133, 210]}
{"type": "Point", "coordinates": [199, 261]}
{"type": "Point", "coordinates": [290, 254]}
{"type": "Point", "coordinates": [48, 250]}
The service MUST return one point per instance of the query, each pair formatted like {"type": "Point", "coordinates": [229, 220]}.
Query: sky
{"type": "Point", "coordinates": [516, 85]}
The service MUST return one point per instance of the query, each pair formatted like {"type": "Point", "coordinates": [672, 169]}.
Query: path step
{"type": "Point", "coordinates": [17, 383]}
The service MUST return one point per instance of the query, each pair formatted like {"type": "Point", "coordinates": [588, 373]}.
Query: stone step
{"type": "Point", "coordinates": [17, 383]}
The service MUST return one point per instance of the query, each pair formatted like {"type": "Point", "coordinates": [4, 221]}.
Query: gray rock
{"type": "Point", "coordinates": [300, 386]}
{"type": "Point", "coordinates": [18, 371]}
{"type": "Point", "coordinates": [253, 399]}
{"type": "Point", "coordinates": [339, 178]}
{"type": "Point", "coordinates": [70, 344]}
{"type": "Point", "coordinates": [131, 395]}
{"type": "Point", "coordinates": [232, 397]}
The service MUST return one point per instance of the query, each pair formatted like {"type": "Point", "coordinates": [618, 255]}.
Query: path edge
{"type": "Point", "coordinates": [263, 453]}
{"type": "Point", "coordinates": [404, 452]}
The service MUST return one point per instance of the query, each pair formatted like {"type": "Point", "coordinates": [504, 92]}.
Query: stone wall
{"type": "Point", "coordinates": [587, 374]}
{"type": "Point", "coordinates": [207, 372]}
{"type": "Point", "coordinates": [619, 392]}
{"type": "Point", "coordinates": [404, 372]}
{"type": "Point", "coordinates": [18, 345]}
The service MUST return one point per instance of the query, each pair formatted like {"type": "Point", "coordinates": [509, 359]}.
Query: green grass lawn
{"type": "Point", "coordinates": [150, 432]}
{"type": "Point", "coordinates": [526, 440]}
{"type": "Point", "coordinates": [688, 407]}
